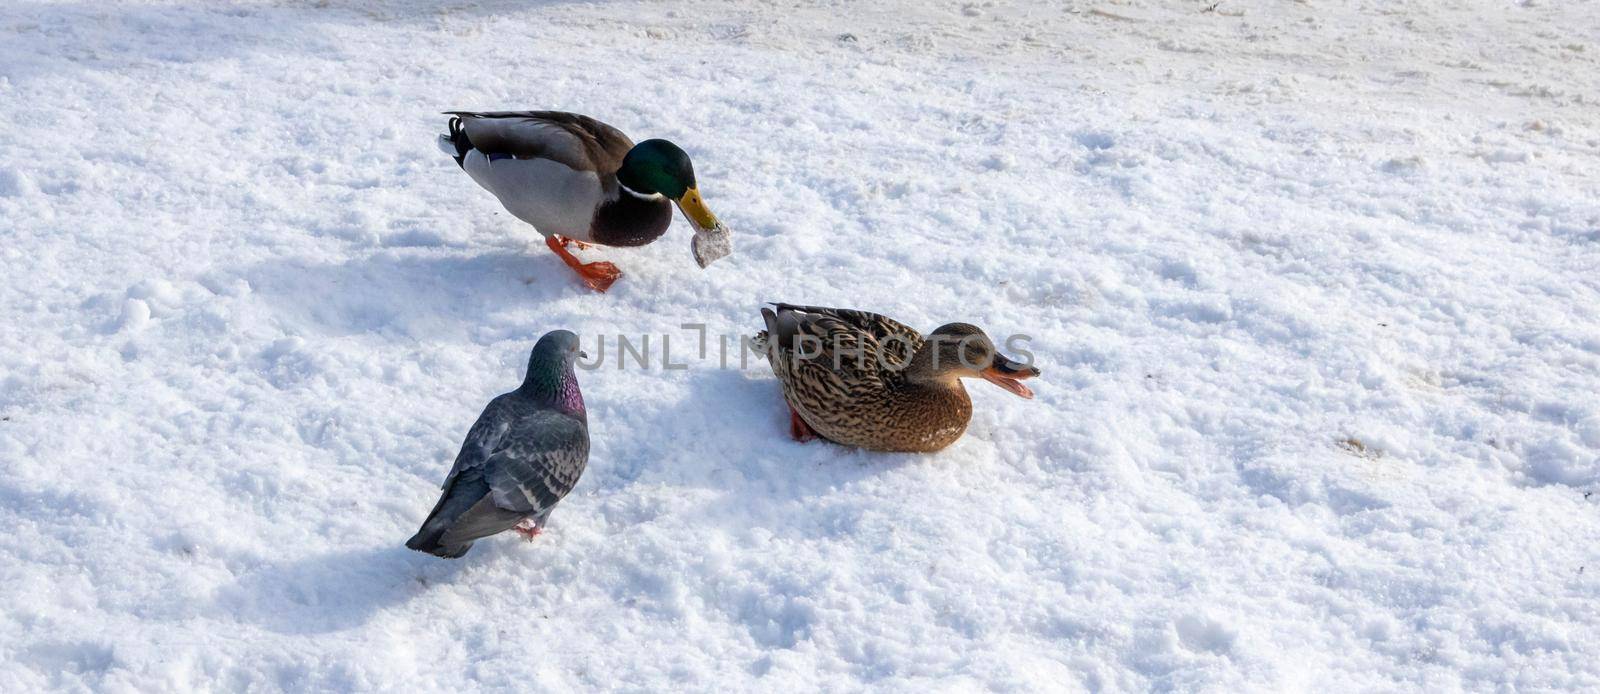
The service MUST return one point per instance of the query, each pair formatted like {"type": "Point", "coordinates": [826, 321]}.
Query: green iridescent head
{"type": "Point", "coordinates": [658, 167]}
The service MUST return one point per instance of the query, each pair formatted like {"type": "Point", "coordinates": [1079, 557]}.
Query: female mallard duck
{"type": "Point", "coordinates": [577, 179]}
{"type": "Point", "coordinates": [862, 379]}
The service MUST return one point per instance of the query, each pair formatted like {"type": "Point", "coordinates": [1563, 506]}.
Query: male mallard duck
{"type": "Point", "coordinates": [577, 179]}
{"type": "Point", "coordinates": [862, 379]}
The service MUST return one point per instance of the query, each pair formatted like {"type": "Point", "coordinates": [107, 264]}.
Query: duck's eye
{"type": "Point", "coordinates": [973, 356]}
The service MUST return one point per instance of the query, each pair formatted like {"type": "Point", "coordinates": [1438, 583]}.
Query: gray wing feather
{"type": "Point", "coordinates": [481, 520]}
{"type": "Point", "coordinates": [530, 457]}
{"type": "Point", "coordinates": [484, 437]}
{"type": "Point", "coordinates": [577, 141]}
{"type": "Point", "coordinates": [541, 460]}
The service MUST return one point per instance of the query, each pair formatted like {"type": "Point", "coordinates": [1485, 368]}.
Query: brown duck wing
{"type": "Point", "coordinates": [847, 343]}
{"type": "Point", "coordinates": [895, 340]}
{"type": "Point", "coordinates": [578, 141]}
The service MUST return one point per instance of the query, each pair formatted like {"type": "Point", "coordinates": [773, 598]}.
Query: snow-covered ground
{"type": "Point", "coordinates": [1315, 288]}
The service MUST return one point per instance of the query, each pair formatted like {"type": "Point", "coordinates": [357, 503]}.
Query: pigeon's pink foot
{"type": "Point", "coordinates": [798, 428]}
{"type": "Point", "coordinates": [528, 530]}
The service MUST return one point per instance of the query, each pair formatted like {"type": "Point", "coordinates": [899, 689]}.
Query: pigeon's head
{"type": "Point", "coordinates": [550, 376]}
{"type": "Point", "coordinates": [555, 353]}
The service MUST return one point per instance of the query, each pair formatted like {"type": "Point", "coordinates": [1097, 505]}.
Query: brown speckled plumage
{"type": "Point", "coordinates": [872, 382]}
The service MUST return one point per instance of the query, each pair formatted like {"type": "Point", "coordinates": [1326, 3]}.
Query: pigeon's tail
{"type": "Point", "coordinates": [428, 540]}
{"type": "Point", "coordinates": [455, 142]}
{"type": "Point", "coordinates": [465, 513]}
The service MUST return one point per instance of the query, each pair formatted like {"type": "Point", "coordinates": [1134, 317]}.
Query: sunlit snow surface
{"type": "Point", "coordinates": [1315, 288]}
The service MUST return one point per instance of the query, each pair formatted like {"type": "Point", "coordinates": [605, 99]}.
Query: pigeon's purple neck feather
{"type": "Point", "coordinates": [555, 385]}
{"type": "Point", "coordinates": [571, 399]}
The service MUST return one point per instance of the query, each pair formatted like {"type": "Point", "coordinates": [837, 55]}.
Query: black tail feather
{"type": "Point", "coordinates": [458, 139]}
{"type": "Point", "coordinates": [427, 540]}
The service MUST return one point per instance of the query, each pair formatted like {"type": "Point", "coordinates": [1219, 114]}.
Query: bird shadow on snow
{"type": "Point", "coordinates": [334, 591]}
{"type": "Point", "coordinates": [409, 294]}
{"type": "Point", "coordinates": [740, 449]}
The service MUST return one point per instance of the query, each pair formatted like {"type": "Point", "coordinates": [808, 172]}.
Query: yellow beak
{"type": "Point", "coordinates": [695, 210]}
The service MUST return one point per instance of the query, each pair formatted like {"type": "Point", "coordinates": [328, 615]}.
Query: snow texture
{"type": "Point", "coordinates": [1315, 288]}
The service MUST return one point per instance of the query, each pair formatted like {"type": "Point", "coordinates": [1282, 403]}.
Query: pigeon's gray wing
{"type": "Point", "coordinates": [539, 461]}
{"type": "Point", "coordinates": [484, 438]}
{"type": "Point", "coordinates": [466, 484]}
{"type": "Point", "coordinates": [536, 463]}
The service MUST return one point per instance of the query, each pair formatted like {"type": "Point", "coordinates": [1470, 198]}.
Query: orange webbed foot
{"type": "Point", "coordinates": [599, 276]}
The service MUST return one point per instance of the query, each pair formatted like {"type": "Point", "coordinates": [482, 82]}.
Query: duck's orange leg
{"type": "Point", "coordinates": [798, 428]}
{"type": "Point", "coordinates": [598, 276]}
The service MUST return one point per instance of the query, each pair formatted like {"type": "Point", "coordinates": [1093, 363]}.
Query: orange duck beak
{"type": "Point", "coordinates": [1008, 374]}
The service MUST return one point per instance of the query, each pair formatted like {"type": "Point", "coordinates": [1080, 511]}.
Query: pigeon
{"type": "Point", "coordinates": [523, 455]}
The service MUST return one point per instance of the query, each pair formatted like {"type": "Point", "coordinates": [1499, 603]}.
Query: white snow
{"type": "Point", "coordinates": [1315, 288]}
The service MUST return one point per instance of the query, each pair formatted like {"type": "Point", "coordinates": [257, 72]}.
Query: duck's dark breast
{"type": "Point", "coordinates": [630, 220]}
